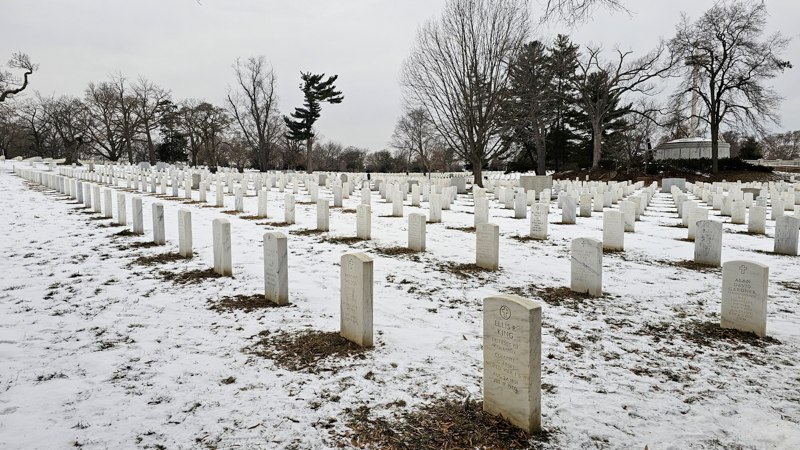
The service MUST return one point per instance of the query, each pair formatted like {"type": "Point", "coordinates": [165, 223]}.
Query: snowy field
{"type": "Point", "coordinates": [98, 352]}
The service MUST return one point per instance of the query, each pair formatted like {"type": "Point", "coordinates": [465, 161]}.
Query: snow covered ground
{"type": "Point", "coordinates": [98, 353]}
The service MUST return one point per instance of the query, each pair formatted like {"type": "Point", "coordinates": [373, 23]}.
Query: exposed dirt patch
{"type": "Point", "coordinates": [391, 217]}
{"type": "Point", "coordinates": [442, 424]}
{"type": "Point", "coordinates": [677, 225]}
{"type": "Point", "coordinates": [562, 223]}
{"type": "Point", "coordinates": [684, 240]}
{"type": "Point", "coordinates": [193, 202]}
{"type": "Point", "coordinates": [610, 251]}
{"type": "Point", "coordinates": [125, 232]}
{"type": "Point", "coordinates": [349, 211]}
{"type": "Point", "coordinates": [305, 203]}
{"type": "Point", "coordinates": [463, 271]}
{"type": "Point", "coordinates": [792, 286]}
{"type": "Point", "coordinates": [464, 229]}
{"type": "Point", "coordinates": [162, 258]}
{"type": "Point", "coordinates": [704, 334]}
{"type": "Point", "coordinates": [745, 233]}
{"type": "Point", "coordinates": [109, 225]}
{"type": "Point", "coordinates": [347, 240]}
{"type": "Point", "coordinates": [252, 217]}
{"type": "Point", "coordinates": [189, 277]}
{"type": "Point", "coordinates": [276, 224]}
{"type": "Point", "coordinates": [556, 296]}
{"type": "Point", "coordinates": [231, 212]}
{"type": "Point", "coordinates": [211, 206]}
{"type": "Point", "coordinates": [246, 303]}
{"type": "Point", "coordinates": [398, 252]}
{"type": "Point", "coordinates": [691, 265]}
{"type": "Point", "coordinates": [525, 239]}
{"type": "Point", "coordinates": [306, 232]}
{"type": "Point", "coordinates": [309, 351]}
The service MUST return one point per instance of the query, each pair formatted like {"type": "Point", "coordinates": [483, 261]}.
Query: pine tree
{"type": "Point", "coordinates": [315, 92]}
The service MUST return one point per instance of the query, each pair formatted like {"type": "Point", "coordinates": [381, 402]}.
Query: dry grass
{"type": "Point", "coordinates": [347, 240]}
{"type": "Point", "coordinates": [252, 217]}
{"type": "Point", "coordinates": [276, 224]}
{"type": "Point", "coordinates": [463, 271]}
{"type": "Point", "coordinates": [443, 424]}
{"type": "Point", "coordinates": [125, 232]}
{"type": "Point", "coordinates": [246, 303]}
{"type": "Point", "coordinates": [162, 258]}
{"type": "Point", "coordinates": [231, 212]}
{"type": "Point", "coordinates": [306, 232]}
{"type": "Point", "coordinates": [464, 229]}
{"type": "Point", "coordinates": [349, 211]}
{"type": "Point", "coordinates": [555, 296]}
{"type": "Point", "coordinates": [705, 334]}
{"type": "Point", "coordinates": [308, 351]}
{"type": "Point", "coordinates": [189, 277]}
{"type": "Point", "coordinates": [691, 265]}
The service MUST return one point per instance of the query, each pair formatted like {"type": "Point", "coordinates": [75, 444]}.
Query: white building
{"type": "Point", "coordinates": [690, 148]}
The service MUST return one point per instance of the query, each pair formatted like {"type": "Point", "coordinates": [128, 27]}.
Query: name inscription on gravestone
{"type": "Point", "coordinates": [744, 296]}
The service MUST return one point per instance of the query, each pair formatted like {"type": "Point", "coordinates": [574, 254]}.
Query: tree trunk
{"type": "Point", "coordinates": [477, 171]}
{"type": "Point", "coordinates": [309, 160]}
{"type": "Point", "coordinates": [714, 147]}
{"type": "Point", "coordinates": [151, 147]}
{"type": "Point", "coordinates": [540, 156]}
{"type": "Point", "coordinates": [597, 134]}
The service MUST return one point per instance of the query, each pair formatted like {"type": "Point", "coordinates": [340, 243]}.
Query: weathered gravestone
{"type": "Point", "coordinates": [121, 209]}
{"type": "Point", "coordinates": [614, 230]}
{"type": "Point", "coordinates": [487, 248]}
{"type": "Point", "coordinates": [159, 233]}
{"type": "Point", "coordinates": [539, 215]}
{"type": "Point", "coordinates": [262, 204]}
{"type": "Point", "coordinates": [288, 208]}
{"type": "Point", "coordinates": [185, 233]}
{"type": "Point", "coordinates": [108, 213]}
{"type": "Point", "coordinates": [221, 229]}
{"type": "Point", "coordinates": [668, 183]}
{"type": "Point", "coordinates": [586, 275]}
{"type": "Point", "coordinates": [520, 205]}
{"type": "Point", "coordinates": [568, 210]}
{"type": "Point", "coordinates": [786, 235]}
{"type": "Point", "coordinates": [744, 296]}
{"type": "Point", "coordinates": [364, 222]}
{"type": "Point", "coordinates": [708, 243]}
{"type": "Point", "coordinates": [435, 209]}
{"type": "Point", "coordinates": [276, 268]}
{"type": "Point", "coordinates": [696, 215]}
{"type": "Point", "coordinates": [757, 222]}
{"type": "Point", "coordinates": [323, 215]}
{"type": "Point", "coordinates": [628, 210]}
{"type": "Point", "coordinates": [512, 360]}
{"type": "Point", "coordinates": [738, 212]}
{"type": "Point", "coordinates": [586, 205]}
{"type": "Point", "coordinates": [481, 211]}
{"type": "Point", "coordinates": [138, 216]}
{"type": "Point", "coordinates": [356, 299]}
{"type": "Point", "coordinates": [535, 183]}
{"type": "Point", "coordinates": [416, 232]}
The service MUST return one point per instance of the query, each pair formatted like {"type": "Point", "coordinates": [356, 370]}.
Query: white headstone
{"type": "Point", "coordinates": [487, 248]}
{"type": "Point", "coordinates": [138, 216]}
{"type": "Point", "coordinates": [587, 266]}
{"type": "Point", "coordinates": [262, 204]}
{"type": "Point", "coordinates": [356, 298]}
{"type": "Point", "coordinates": [288, 208]}
{"type": "Point", "coordinates": [568, 210]}
{"type": "Point", "coordinates": [159, 234]}
{"type": "Point", "coordinates": [613, 230]}
{"type": "Point", "coordinates": [708, 243]}
{"type": "Point", "coordinates": [364, 221]}
{"type": "Point", "coordinates": [512, 360]}
{"type": "Point", "coordinates": [628, 210]}
{"type": "Point", "coordinates": [539, 217]}
{"type": "Point", "coordinates": [416, 232]}
{"type": "Point", "coordinates": [222, 247]}
{"type": "Point", "coordinates": [121, 209]}
{"type": "Point", "coordinates": [435, 210]}
{"type": "Point", "coordinates": [276, 268]}
{"type": "Point", "coordinates": [323, 215]}
{"type": "Point", "coordinates": [786, 235]}
{"type": "Point", "coordinates": [757, 222]}
{"type": "Point", "coordinates": [744, 296]}
{"type": "Point", "coordinates": [694, 216]}
{"type": "Point", "coordinates": [185, 233]}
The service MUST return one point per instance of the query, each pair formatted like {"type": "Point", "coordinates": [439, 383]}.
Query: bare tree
{"type": "Point", "coordinates": [602, 85]}
{"type": "Point", "coordinates": [127, 108]}
{"type": "Point", "coordinates": [254, 106]}
{"type": "Point", "coordinates": [457, 72]}
{"type": "Point", "coordinates": [151, 100]}
{"type": "Point", "coordinates": [732, 64]}
{"type": "Point", "coordinates": [782, 145]}
{"type": "Point", "coordinates": [68, 118]}
{"type": "Point", "coordinates": [103, 123]}
{"type": "Point", "coordinates": [11, 85]}
{"type": "Point", "coordinates": [577, 10]}
{"type": "Point", "coordinates": [415, 134]}
{"type": "Point", "coordinates": [204, 125]}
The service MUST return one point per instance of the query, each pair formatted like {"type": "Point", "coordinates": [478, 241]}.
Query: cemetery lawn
{"type": "Point", "coordinates": [109, 342]}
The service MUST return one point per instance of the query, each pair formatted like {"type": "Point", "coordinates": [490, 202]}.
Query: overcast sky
{"type": "Point", "coordinates": [189, 47]}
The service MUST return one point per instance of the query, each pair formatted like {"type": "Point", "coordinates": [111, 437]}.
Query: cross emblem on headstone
{"type": "Point", "coordinates": [743, 269]}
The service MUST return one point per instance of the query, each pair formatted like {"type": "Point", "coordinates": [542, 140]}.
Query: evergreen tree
{"type": "Point", "coordinates": [315, 92]}
{"type": "Point", "coordinates": [173, 145]}
{"type": "Point", "coordinates": [563, 138]}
